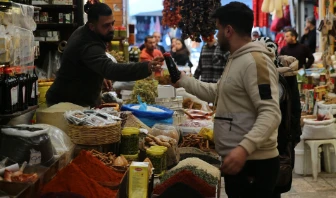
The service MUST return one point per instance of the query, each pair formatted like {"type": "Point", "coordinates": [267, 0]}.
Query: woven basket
{"type": "Point", "coordinates": [91, 135]}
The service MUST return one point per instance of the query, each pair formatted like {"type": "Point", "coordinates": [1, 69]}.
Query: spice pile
{"type": "Point", "coordinates": [85, 175]}
{"type": "Point", "coordinates": [195, 140]}
{"type": "Point", "coordinates": [195, 173]}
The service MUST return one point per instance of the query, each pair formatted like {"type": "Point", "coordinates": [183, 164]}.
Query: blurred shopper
{"type": "Point", "coordinates": [157, 37]}
{"type": "Point", "coordinates": [211, 63]}
{"type": "Point", "coordinates": [309, 36]}
{"type": "Point", "coordinates": [297, 50]}
{"type": "Point", "coordinates": [150, 51]}
{"type": "Point", "coordinates": [181, 55]}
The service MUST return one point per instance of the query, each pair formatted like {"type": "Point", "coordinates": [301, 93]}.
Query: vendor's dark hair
{"type": "Point", "coordinates": [238, 15]}
{"type": "Point", "coordinates": [148, 37]}
{"type": "Point", "coordinates": [95, 10]}
{"type": "Point", "coordinates": [292, 32]}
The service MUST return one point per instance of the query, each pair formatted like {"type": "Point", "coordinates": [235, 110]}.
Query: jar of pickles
{"type": "Point", "coordinates": [122, 32]}
{"type": "Point", "coordinates": [129, 141]}
{"type": "Point", "coordinates": [164, 159]}
{"type": "Point", "coordinates": [156, 155]}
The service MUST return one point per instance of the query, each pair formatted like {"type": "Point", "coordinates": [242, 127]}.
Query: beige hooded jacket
{"type": "Point", "coordinates": [247, 102]}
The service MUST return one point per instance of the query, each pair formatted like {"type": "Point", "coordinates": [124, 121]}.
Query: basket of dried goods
{"type": "Point", "coordinates": [93, 127]}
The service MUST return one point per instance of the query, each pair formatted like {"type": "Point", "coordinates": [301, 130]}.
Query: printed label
{"type": "Point", "coordinates": [35, 157]}
{"type": "Point", "coordinates": [14, 95]}
{"type": "Point", "coordinates": [24, 94]}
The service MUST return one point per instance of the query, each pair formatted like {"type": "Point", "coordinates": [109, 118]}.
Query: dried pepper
{"type": "Point", "coordinates": [171, 13]}
{"type": "Point", "coordinates": [197, 19]}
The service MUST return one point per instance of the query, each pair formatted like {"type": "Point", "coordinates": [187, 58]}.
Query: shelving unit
{"type": "Point", "coordinates": [65, 29]}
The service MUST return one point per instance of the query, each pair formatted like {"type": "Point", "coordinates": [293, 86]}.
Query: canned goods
{"type": "Point", "coordinates": [44, 17]}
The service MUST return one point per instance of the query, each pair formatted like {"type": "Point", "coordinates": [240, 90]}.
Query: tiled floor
{"type": "Point", "coordinates": [305, 187]}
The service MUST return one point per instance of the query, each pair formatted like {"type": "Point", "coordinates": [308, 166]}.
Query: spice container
{"type": "Point", "coordinates": [115, 45]}
{"type": "Point", "coordinates": [156, 156]}
{"type": "Point", "coordinates": [129, 141]}
{"type": "Point", "coordinates": [116, 31]}
{"type": "Point", "coordinates": [164, 159]}
{"type": "Point", "coordinates": [131, 39]}
{"type": "Point", "coordinates": [122, 32]}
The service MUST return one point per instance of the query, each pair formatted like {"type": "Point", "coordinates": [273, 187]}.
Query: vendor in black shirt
{"type": "Point", "coordinates": [297, 50]}
{"type": "Point", "coordinates": [84, 63]}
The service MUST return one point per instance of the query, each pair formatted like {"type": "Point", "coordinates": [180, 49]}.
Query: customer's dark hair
{"type": "Point", "coordinates": [236, 14]}
{"type": "Point", "coordinates": [148, 37]}
{"type": "Point", "coordinates": [292, 32]}
{"type": "Point", "coordinates": [95, 10]}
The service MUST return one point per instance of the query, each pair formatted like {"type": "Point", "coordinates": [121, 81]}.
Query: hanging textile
{"type": "Point", "coordinates": [260, 18]}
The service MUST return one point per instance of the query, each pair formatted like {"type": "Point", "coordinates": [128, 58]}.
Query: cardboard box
{"type": "Point", "coordinates": [166, 91]}
{"type": "Point", "coordinates": [138, 180]}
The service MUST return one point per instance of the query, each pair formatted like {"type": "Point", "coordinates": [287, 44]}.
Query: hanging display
{"type": "Point", "coordinates": [171, 13]}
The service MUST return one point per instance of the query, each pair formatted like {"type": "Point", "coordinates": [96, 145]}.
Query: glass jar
{"type": "Point", "coordinates": [164, 158]}
{"type": "Point", "coordinates": [129, 141]}
{"type": "Point", "coordinates": [122, 32]}
{"type": "Point", "coordinates": [156, 156]}
{"type": "Point", "coordinates": [115, 46]}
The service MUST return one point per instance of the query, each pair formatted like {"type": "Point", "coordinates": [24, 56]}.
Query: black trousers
{"type": "Point", "coordinates": [257, 179]}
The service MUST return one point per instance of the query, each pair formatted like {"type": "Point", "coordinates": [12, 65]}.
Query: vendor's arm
{"type": "Point", "coordinates": [94, 57]}
{"type": "Point", "coordinates": [261, 84]}
{"type": "Point", "coordinates": [204, 91]}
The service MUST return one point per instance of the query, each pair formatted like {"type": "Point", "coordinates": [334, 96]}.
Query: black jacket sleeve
{"type": "Point", "coordinates": [310, 57]}
{"type": "Point", "coordinates": [94, 57]}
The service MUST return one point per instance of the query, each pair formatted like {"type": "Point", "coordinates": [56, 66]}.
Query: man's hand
{"type": "Point", "coordinates": [107, 85]}
{"type": "Point", "coordinates": [234, 161]}
{"type": "Point", "coordinates": [155, 64]}
{"type": "Point", "coordinates": [306, 31]}
{"type": "Point", "coordinates": [176, 85]}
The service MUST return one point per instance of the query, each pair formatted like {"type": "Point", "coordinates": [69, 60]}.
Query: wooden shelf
{"type": "Point", "coordinates": [52, 25]}
{"type": "Point", "coordinates": [53, 6]}
{"type": "Point", "coordinates": [16, 114]}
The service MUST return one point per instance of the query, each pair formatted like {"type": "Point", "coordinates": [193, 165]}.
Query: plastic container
{"type": "Point", "coordinates": [156, 155]}
{"type": "Point", "coordinates": [164, 160]}
{"type": "Point", "coordinates": [115, 45]}
{"type": "Point", "coordinates": [122, 32]}
{"type": "Point", "coordinates": [129, 141]}
{"type": "Point", "coordinates": [116, 31]}
{"type": "Point", "coordinates": [43, 88]}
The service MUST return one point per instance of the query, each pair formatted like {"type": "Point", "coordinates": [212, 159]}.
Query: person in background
{"type": "Point", "coordinates": [247, 106]}
{"type": "Point", "coordinates": [181, 55]}
{"type": "Point", "coordinates": [173, 45]}
{"type": "Point", "coordinates": [309, 36]}
{"type": "Point", "coordinates": [157, 37]}
{"type": "Point", "coordinates": [255, 35]}
{"type": "Point", "coordinates": [297, 50]}
{"type": "Point", "coordinates": [150, 52]}
{"type": "Point", "coordinates": [211, 63]}
{"type": "Point", "coordinates": [84, 63]}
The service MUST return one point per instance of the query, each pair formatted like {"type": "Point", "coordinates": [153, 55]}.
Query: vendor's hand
{"type": "Point", "coordinates": [234, 161]}
{"type": "Point", "coordinates": [107, 85]}
{"type": "Point", "coordinates": [156, 64]}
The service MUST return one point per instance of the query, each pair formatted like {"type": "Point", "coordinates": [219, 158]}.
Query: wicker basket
{"type": "Point", "coordinates": [91, 135]}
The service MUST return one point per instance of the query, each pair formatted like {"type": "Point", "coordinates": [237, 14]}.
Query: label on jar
{"type": "Point", "coordinates": [14, 95]}
{"type": "Point", "coordinates": [35, 157]}
{"type": "Point", "coordinates": [24, 94]}
{"type": "Point", "coordinates": [33, 91]}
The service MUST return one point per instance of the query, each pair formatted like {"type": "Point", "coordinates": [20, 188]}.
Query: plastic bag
{"type": "Point", "coordinates": [318, 132]}
{"type": "Point", "coordinates": [324, 112]}
{"type": "Point", "coordinates": [32, 146]}
{"type": "Point", "coordinates": [166, 130]}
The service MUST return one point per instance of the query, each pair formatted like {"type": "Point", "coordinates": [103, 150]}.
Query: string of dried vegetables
{"type": "Point", "coordinates": [171, 13]}
{"type": "Point", "coordinates": [147, 89]}
{"type": "Point", "coordinates": [197, 19]}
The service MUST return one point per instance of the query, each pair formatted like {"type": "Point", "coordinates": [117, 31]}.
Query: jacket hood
{"type": "Point", "coordinates": [253, 47]}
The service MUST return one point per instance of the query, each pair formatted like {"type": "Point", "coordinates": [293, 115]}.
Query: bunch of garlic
{"type": "Point", "coordinates": [274, 6]}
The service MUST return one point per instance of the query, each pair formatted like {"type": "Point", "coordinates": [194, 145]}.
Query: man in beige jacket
{"type": "Point", "coordinates": [247, 106]}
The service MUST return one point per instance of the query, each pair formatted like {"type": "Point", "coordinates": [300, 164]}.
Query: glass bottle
{"type": "Point", "coordinates": [22, 80]}
{"type": "Point", "coordinates": [10, 91]}
{"type": "Point", "coordinates": [172, 68]}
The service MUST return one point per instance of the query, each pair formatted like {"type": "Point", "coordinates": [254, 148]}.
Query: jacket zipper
{"type": "Point", "coordinates": [227, 119]}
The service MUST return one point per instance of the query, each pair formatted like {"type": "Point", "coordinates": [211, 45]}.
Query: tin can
{"type": "Point", "coordinates": [44, 17]}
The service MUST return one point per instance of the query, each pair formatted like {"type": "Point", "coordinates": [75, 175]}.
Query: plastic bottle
{"type": "Point", "coordinates": [10, 91]}
{"type": "Point", "coordinates": [22, 80]}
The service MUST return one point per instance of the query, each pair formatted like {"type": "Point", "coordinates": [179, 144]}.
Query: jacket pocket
{"type": "Point", "coordinates": [225, 119]}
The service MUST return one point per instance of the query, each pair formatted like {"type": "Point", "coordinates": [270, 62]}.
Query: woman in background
{"type": "Point", "coordinates": [181, 55]}
{"type": "Point", "coordinates": [173, 45]}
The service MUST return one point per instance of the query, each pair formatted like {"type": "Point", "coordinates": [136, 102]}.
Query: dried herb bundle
{"type": "Point", "coordinates": [147, 89]}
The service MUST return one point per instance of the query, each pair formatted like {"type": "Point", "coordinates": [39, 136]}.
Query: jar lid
{"type": "Point", "coordinates": [130, 131]}
{"type": "Point", "coordinates": [160, 147]}
{"type": "Point", "coordinates": [155, 151]}
{"type": "Point", "coordinates": [122, 28]}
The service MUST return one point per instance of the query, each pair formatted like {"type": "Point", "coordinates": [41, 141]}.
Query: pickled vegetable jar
{"type": "Point", "coordinates": [156, 155]}
{"type": "Point", "coordinates": [129, 141]}
{"type": "Point", "coordinates": [164, 159]}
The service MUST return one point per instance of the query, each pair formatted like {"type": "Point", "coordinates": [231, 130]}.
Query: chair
{"type": "Point", "coordinates": [314, 145]}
